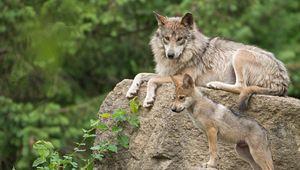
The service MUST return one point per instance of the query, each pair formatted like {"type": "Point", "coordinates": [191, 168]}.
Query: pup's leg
{"type": "Point", "coordinates": [212, 144]}
{"type": "Point", "coordinates": [151, 87]}
{"type": "Point", "coordinates": [138, 79]}
{"type": "Point", "coordinates": [262, 159]}
{"type": "Point", "coordinates": [242, 149]}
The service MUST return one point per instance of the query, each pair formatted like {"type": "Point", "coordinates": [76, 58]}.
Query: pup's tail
{"type": "Point", "coordinates": [247, 92]}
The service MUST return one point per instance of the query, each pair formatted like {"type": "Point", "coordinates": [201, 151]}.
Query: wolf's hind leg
{"type": "Point", "coordinates": [138, 79]}
{"type": "Point", "coordinates": [239, 60]}
{"type": "Point", "coordinates": [242, 61]}
{"type": "Point", "coordinates": [224, 86]}
{"type": "Point", "coordinates": [242, 149]}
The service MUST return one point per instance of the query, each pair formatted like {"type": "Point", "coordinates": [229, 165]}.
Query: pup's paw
{"type": "Point", "coordinates": [148, 102]}
{"type": "Point", "coordinates": [214, 85]}
{"type": "Point", "coordinates": [131, 93]}
{"type": "Point", "coordinates": [209, 166]}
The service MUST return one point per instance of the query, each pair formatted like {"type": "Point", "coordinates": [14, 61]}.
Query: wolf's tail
{"type": "Point", "coordinates": [247, 92]}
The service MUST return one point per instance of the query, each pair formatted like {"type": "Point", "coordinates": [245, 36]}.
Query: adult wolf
{"type": "Point", "coordinates": [179, 48]}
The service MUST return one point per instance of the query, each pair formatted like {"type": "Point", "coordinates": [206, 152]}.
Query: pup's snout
{"type": "Point", "coordinates": [176, 109]}
{"type": "Point", "coordinates": [171, 54]}
{"type": "Point", "coordinates": [173, 108]}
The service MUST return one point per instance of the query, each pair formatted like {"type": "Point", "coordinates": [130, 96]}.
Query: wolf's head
{"type": "Point", "coordinates": [184, 91]}
{"type": "Point", "coordinates": [174, 33]}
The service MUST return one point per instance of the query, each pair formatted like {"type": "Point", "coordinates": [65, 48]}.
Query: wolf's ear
{"type": "Point", "coordinates": [187, 81]}
{"type": "Point", "coordinates": [161, 20]}
{"type": "Point", "coordinates": [187, 20]}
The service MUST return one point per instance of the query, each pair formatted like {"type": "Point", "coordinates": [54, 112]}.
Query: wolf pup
{"type": "Point", "coordinates": [250, 138]}
{"type": "Point", "coordinates": [179, 48]}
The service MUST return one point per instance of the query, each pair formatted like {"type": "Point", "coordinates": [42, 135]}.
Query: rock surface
{"type": "Point", "coordinates": [170, 141]}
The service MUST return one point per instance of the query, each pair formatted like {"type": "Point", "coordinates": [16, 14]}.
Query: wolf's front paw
{"type": "Point", "coordinates": [148, 102]}
{"type": "Point", "coordinates": [209, 166]}
{"type": "Point", "coordinates": [214, 85]}
{"type": "Point", "coordinates": [131, 92]}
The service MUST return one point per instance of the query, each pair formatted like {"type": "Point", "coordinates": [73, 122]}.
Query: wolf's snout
{"type": "Point", "coordinates": [171, 54]}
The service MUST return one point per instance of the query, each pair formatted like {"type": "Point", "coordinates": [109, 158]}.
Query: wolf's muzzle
{"type": "Point", "coordinates": [171, 54]}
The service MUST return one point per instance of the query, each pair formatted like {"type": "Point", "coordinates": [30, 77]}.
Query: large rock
{"type": "Point", "coordinates": [167, 140]}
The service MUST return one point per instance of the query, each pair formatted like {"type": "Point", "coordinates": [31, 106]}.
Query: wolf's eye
{"type": "Point", "coordinates": [167, 38]}
{"type": "Point", "coordinates": [181, 97]}
{"type": "Point", "coordinates": [179, 39]}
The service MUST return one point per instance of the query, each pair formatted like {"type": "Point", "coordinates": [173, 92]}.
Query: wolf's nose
{"type": "Point", "coordinates": [171, 55]}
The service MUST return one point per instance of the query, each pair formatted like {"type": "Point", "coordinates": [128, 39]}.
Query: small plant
{"type": "Point", "coordinates": [49, 159]}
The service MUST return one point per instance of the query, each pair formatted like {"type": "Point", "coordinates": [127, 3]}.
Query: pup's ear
{"type": "Point", "coordinates": [161, 20]}
{"type": "Point", "coordinates": [187, 20]}
{"type": "Point", "coordinates": [187, 81]}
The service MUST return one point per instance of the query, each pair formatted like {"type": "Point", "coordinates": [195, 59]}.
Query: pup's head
{"type": "Point", "coordinates": [175, 33]}
{"type": "Point", "coordinates": [184, 90]}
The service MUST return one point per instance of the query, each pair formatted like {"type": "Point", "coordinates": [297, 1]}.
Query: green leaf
{"type": "Point", "coordinates": [123, 140]}
{"type": "Point", "coordinates": [79, 150]}
{"type": "Point", "coordinates": [67, 157]}
{"type": "Point", "coordinates": [134, 105]}
{"type": "Point", "coordinates": [89, 135]}
{"type": "Point", "coordinates": [101, 126]}
{"type": "Point", "coordinates": [133, 120]}
{"type": "Point", "coordinates": [116, 129]}
{"type": "Point", "coordinates": [55, 159]}
{"type": "Point", "coordinates": [95, 148]}
{"type": "Point", "coordinates": [38, 161]}
{"type": "Point", "coordinates": [105, 115]}
{"type": "Point", "coordinates": [48, 145]}
{"type": "Point", "coordinates": [88, 165]}
{"type": "Point", "coordinates": [85, 131]}
{"type": "Point", "coordinates": [112, 148]}
{"type": "Point", "coordinates": [81, 144]}
{"type": "Point", "coordinates": [98, 156]}
{"type": "Point", "coordinates": [119, 115]}
{"type": "Point", "coordinates": [74, 164]}
{"type": "Point", "coordinates": [100, 147]}
{"type": "Point", "coordinates": [94, 122]}
{"type": "Point", "coordinates": [43, 148]}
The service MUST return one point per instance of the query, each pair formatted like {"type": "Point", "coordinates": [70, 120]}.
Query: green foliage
{"type": "Point", "coordinates": [48, 158]}
{"type": "Point", "coordinates": [24, 123]}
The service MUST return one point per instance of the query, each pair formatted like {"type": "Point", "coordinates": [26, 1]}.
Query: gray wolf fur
{"type": "Point", "coordinates": [179, 48]}
{"type": "Point", "coordinates": [250, 138]}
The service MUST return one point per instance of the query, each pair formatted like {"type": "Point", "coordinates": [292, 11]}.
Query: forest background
{"type": "Point", "coordinates": [59, 59]}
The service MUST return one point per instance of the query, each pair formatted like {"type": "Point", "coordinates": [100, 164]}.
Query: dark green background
{"type": "Point", "coordinates": [58, 58]}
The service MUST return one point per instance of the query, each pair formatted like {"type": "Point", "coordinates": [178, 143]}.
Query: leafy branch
{"type": "Point", "coordinates": [48, 158]}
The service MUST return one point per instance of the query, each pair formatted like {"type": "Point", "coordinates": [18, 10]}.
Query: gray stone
{"type": "Point", "coordinates": [170, 141]}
